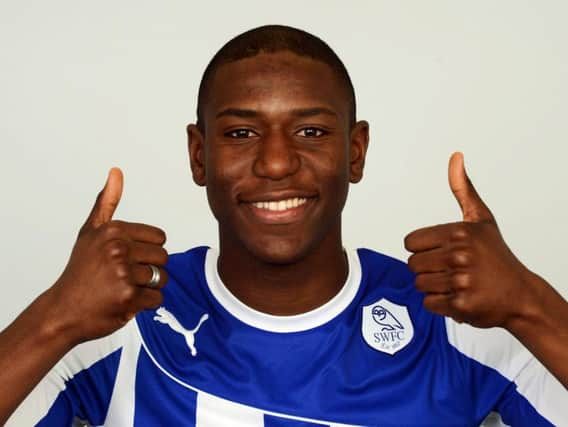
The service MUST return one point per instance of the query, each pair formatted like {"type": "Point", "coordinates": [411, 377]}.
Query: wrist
{"type": "Point", "coordinates": [52, 320]}
{"type": "Point", "coordinates": [529, 306]}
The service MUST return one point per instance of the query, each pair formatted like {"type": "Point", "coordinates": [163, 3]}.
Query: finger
{"type": "Point", "coordinates": [432, 261]}
{"type": "Point", "coordinates": [438, 303]}
{"type": "Point", "coordinates": [147, 299]}
{"type": "Point", "coordinates": [107, 200]}
{"type": "Point", "coordinates": [472, 207]}
{"type": "Point", "coordinates": [142, 232]}
{"type": "Point", "coordinates": [433, 283]}
{"type": "Point", "coordinates": [141, 274]}
{"type": "Point", "coordinates": [428, 238]}
{"type": "Point", "coordinates": [146, 253]}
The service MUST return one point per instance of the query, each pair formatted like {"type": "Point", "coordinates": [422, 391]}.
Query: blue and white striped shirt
{"type": "Point", "coordinates": [371, 356]}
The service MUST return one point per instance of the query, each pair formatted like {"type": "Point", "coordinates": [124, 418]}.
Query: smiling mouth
{"type": "Point", "coordinates": [283, 211]}
{"type": "Point", "coordinates": [280, 205]}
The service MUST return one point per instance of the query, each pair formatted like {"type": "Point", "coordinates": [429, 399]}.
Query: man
{"type": "Point", "coordinates": [283, 326]}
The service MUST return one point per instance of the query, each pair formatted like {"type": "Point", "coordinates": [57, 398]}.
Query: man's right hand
{"type": "Point", "coordinates": [105, 282]}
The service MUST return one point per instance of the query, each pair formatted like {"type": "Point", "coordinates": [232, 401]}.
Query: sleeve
{"type": "Point", "coordinates": [506, 378]}
{"type": "Point", "coordinates": [79, 386]}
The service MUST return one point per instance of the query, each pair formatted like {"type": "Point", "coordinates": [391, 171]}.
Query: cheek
{"type": "Point", "coordinates": [225, 171]}
{"type": "Point", "coordinates": [331, 169]}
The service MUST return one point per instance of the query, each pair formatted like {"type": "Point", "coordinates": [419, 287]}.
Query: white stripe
{"type": "Point", "coordinates": [544, 391]}
{"type": "Point", "coordinates": [121, 408]}
{"type": "Point", "coordinates": [39, 401]}
{"type": "Point", "coordinates": [283, 324]}
{"type": "Point", "coordinates": [498, 349]}
{"type": "Point", "coordinates": [214, 412]}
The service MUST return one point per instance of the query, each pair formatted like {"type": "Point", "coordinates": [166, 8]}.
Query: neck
{"type": "Point", "coordinates": [288, 288]}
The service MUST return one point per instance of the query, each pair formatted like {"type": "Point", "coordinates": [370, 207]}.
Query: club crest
{"type": "Point", "coordinates": [386, 326]}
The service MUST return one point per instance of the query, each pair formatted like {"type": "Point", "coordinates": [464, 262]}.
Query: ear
{"type": "Point", "coordinates": [359, 141]}
{"type": "Point", "coordinates": [196, 149]}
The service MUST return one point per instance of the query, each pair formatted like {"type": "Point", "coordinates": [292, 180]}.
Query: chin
{"type": "Point", "coordinates": [281, 252]}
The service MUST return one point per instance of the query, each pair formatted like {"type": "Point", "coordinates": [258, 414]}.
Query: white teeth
{"type": "Point", "coordinates": [281, 205]}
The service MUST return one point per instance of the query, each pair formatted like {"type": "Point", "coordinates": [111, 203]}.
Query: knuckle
{"type": "Point", "coordinates": [126, 297]}
{"type": "Point", "coordinates": [461, 306]}
{"type": "Point", "coordinates": [122, 272]}
{"type": "Point", "coordinates": [460, 258]}
{"type": "Point", "coordinates": [112, 230]}
{"type": "Point", "coordinates": [461, 280]}
{"type": "Point", "coordinates": [460, 232]}
{"type": "Point", "coordinates": [116, 249]}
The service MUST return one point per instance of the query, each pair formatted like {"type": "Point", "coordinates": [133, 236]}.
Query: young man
{"type": "Point", "coordinates": [283, 326]}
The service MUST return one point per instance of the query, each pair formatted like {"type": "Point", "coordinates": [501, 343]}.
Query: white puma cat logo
{"type": "Point", "coordinates": [164, 316]}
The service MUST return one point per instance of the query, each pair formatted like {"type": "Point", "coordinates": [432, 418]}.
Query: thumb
{"type": "Point", "coordinates": [107, 200]}
{"type": "Point", "coordinates": [472, 207]}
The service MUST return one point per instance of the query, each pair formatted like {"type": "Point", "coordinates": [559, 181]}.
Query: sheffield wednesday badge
{"type": "Point", "coordinates": [386, 326]}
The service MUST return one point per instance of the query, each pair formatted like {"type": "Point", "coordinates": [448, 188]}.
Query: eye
{"type": "Point", "coordinates": [240, 133]}
{"type": "Point", "coordinates": [311, 132]}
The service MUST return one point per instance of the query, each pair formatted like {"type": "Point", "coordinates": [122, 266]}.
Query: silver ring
{"type": "Point", "coordinates": [155, 276]}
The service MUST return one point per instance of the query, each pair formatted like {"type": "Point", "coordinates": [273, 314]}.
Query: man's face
{"type": "Point", "coordinates": [277, 155]}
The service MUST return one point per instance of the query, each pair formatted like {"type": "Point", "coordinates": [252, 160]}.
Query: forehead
{"type": "Point", "coordinates": [274, 83]}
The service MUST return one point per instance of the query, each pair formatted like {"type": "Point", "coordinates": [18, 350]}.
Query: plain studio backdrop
{"type": "Point", "coordinates": [88, 85]}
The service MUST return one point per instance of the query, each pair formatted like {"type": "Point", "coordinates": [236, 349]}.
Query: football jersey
{"type": "Point", "coordinates": [371, 356]}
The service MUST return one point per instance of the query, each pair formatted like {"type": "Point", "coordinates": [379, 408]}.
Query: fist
{"type": "Point", "coordinates": [105, 282]}
{"type": "Point", "coordinates": [465, 268]}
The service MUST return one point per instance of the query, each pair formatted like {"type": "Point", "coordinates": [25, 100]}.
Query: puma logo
{"type": "Point", "coordinates": [164, 316]}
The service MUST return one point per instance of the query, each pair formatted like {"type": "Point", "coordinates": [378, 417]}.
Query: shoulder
{"type": "Point", "coordinates": [380, 266]}
{"type": "Point", "coordinates": [385, 276]}
{"type": "Point", "coordinates": [181, 262]}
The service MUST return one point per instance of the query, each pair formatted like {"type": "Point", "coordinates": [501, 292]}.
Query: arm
{"type": "Point", "coordinates": [468, 273]}
{"type": "Point", "coordinates": [101, 288]}
{"type": "Point", "coordinates": [542, 326]}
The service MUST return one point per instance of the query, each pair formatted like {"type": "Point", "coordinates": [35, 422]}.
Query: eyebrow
{"type": "Point", "coordinates": [238, 112]}
{"type": "Point", "coordinates": [299, 112]}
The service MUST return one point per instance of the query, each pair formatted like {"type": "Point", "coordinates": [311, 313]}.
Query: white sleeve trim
{"type": "Point", "coordinates": [40, 400]}
{"type": "Point", "coordinates": [121, 407]}
{"type": "Point", "coordinates": [498, 349]}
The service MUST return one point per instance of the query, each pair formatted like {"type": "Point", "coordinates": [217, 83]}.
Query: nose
{"type": "Point", "coordinates": [277, 157]}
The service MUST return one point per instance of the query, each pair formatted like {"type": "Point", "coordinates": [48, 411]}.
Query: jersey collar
{"type": "Point", "coordinates": [283, 324]}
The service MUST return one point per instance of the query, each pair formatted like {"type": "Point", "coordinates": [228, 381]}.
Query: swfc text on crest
{"type": "Point", "coordinates": [386, 326]}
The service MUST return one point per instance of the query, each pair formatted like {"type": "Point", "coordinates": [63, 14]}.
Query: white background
{"type": "Point", "coordinates": [87, 85]}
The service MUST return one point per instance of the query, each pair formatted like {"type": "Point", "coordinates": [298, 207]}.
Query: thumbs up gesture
{"type": "Point", "coordinates": [465, 268]}
{"type": "Point", "coordinates": [106, 280]}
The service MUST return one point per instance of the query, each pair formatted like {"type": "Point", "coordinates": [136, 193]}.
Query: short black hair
{"type": "Point", "coordinates": [273, 39]}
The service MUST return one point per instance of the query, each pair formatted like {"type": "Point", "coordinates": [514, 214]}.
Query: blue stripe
{"type": "Point", "coordinates": [516, 410]}
{"type": "Point", "coordinates": [159, 400]}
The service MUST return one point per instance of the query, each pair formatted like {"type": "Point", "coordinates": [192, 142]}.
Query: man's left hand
{"type": "Point", "coordinates": [465, 268]}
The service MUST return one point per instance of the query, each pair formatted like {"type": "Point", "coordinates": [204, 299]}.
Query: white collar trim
{"type": "Point", "coordinates": [282, 324]}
